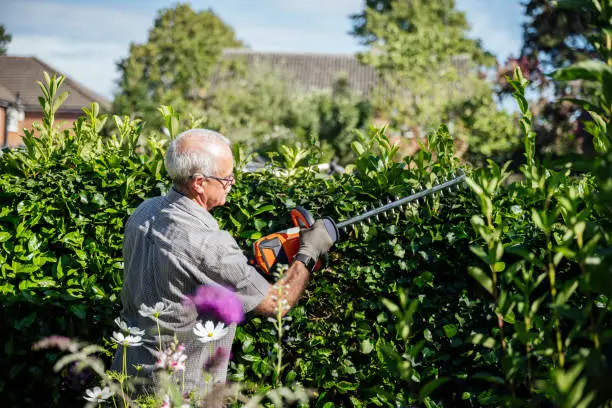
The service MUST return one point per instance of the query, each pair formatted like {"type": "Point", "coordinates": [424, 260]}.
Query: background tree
{"type": "Point", "coordinates": [429, 67]}
{"type": "Point", "coordinates": [555, 36]}
{"type": "Point", "coordinates": [174, 66]}
{"type": "Point", "coordinates": [5, 38]}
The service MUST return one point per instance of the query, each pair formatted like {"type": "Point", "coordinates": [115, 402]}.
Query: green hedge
{"type": "Point", "coordinates": [436, 306]}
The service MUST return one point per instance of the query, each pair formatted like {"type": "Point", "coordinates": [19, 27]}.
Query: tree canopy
{"type": "Point", "coordinates": [175, 64]}
{"type": "Point", "coordinates": [418, 46]}
{"type": "Point", "coordinates": [555, 35]}
{"type": "Point", "coordinates": [429, 67]}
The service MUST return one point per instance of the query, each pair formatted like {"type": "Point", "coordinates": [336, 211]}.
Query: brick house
{"type": "Point", "coordinates": [19, 92]}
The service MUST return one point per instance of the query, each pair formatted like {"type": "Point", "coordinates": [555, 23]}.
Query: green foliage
{"type": "Point", "coordinates": [5, 38]}
{"type": "Point", "coordinates": [494, 296]}
{"type": "Point", "coordinates": [332, 119]}
{"type": "Point", "coordinates": [556, 35]}
{"type": "Point", "coordinates": [548, 315]}
{"type": "Point", "coordinates": [490, 133]}
{"type": "Point", "coordinates": [430, 73]}
{"type": "Point", "coordinates": [180, 66]}
{"type": "Point", "coordinates": [262, 110]}
{"type": "Point", "coordinates": [63, 201]}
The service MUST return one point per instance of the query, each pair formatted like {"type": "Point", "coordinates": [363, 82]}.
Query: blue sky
{"type": "Point", "coordinates": [85, 38]}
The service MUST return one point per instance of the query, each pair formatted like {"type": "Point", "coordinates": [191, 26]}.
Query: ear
{"type": "Point", "coordinates": [198, 184]}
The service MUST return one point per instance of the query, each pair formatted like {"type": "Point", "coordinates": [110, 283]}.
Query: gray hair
{"type": "Point", "coordinates": [182, 163]}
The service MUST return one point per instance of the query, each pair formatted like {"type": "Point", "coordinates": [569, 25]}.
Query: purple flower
{"type": "Point", "coordinates": [219, 302]}
{"type": "Point", "coordinates": [217, 359]}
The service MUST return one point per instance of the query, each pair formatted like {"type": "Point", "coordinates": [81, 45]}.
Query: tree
{"type": "Point", "coordinates": [428, 65]}
{"type": "Point", "coordinates": [5, 38]}
{"type": "Point", "coordinates": [174, 66]}
{"type": "Point", "coordinates": [555, 35]}
{"type": "Point", "coordinates": [416, 46]}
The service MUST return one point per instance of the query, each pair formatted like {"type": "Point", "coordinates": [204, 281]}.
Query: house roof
{"type": "Point", "coordinates": [321, 71]}
{"type": "Point", "coordinates": [310, 70]}
{"type": "Point", "coordinates": [6, 96]}
{"type": "Point", "coordinates": [18, 75]}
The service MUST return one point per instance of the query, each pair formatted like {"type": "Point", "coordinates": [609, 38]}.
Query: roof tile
{"type": "Point", "coordinates": [310, 70]}
{"type": "Point", "coordinates": [18, 75]}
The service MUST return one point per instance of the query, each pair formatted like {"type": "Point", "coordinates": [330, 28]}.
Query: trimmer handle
{"type": "Point", "coordinates": [282, 246]}
{"type": "Point", "coordinates": [302, 218]}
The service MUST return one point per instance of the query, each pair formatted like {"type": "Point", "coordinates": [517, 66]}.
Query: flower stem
{"type": "Point", "coordinates": [158, 333]}
{"type": "Point", "coordinates": [124, 375]}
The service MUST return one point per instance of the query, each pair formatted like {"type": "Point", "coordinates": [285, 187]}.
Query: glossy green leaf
{"type": "Point", "coordinates": [482, 278]}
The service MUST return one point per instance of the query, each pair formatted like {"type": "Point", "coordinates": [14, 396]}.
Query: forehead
{"type": "Point", "coordinates": [226, 164]}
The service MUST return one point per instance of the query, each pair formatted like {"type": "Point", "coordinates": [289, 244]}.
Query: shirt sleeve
{"type": "Point", "coordinates": [225, 263]}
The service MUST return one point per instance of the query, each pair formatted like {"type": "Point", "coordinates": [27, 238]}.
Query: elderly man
{"type": "Point", "coordinates": [173, 245]}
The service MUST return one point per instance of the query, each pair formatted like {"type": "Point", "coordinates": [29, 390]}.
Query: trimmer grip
{"type": "Point", "coordinates": [281, 247]}
{"type": "Point", "coordinates": [331, 228]}
{"type": "Point", "coordinates": [301, 217]}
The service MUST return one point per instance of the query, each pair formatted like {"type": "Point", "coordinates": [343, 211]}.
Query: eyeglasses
{"type": "Point", "coordinates": [225, 181]}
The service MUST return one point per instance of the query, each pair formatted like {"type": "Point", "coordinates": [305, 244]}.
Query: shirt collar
{"type": "Point", "coordinates": [179, 199]}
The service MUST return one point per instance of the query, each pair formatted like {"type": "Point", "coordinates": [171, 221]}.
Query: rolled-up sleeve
{"type": "Point", "coordinates": [225, 263]}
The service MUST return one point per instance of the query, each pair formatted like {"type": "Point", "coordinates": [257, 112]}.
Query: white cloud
{"type": "Point", "coordinates": [78, 21]}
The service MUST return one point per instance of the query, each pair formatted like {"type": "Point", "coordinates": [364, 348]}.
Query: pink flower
{"type": "Point", "coordinates": [218, 302]}
{"type": "Point", "coordinates": [61, 342]}
{"type": "Point", "coordinates": [171, 359]}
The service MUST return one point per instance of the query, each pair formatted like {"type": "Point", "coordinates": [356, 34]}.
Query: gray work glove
{"type": "Point", "coordinates": [315, 241]}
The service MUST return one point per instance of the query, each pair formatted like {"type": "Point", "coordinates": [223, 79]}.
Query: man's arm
{"type": "Point", "coordinates": [290, 288]}
{"type": "Point", "coordinates": [314, 242]}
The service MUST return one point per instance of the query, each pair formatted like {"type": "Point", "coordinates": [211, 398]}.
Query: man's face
{"type": "Point", "coordinates": [218, 188]}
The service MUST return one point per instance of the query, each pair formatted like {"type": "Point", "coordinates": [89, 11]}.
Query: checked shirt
{"type": "Point", "coordinates": [172, 246]}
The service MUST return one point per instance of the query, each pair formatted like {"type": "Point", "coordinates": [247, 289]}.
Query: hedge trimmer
{"type": "Point", "coordinates": [281, 247]}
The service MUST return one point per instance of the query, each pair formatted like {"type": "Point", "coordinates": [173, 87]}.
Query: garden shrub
{"type": "Point", "coordinates": [485, 296]}
{"type": "Point", "coordinates": [63, 202]}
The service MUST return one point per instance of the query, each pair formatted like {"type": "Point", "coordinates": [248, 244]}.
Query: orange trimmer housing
{"type": "Point", "coordinates": [282, 246]}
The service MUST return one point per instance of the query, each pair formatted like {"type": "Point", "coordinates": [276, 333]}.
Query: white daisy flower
{"type": "Point", "coordinates": [98, 395]}
{"type": "Point", "coordinates": [134, 331]}
{"type": "Point", "coordinates": [129, 341]}
{"type": "Point", "coordinates": [209, 332]}
{"type": "Point", "coordinates": [159, 309]}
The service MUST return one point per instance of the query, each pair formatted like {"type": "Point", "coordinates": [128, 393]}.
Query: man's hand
{"type": "Point", "coordinates": [315, 241]}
